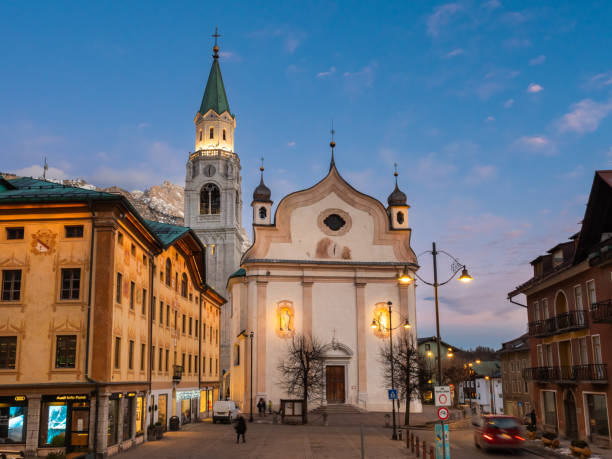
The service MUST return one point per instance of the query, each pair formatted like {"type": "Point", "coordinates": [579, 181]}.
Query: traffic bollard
{"type": "Point", "coordinates": [431, 452]}
{"type": "Point", "coordinates": [417, 446]}
{"type": "Point", "coordinates": [412, 442]}
{"type": "Point", "coordinates": [424, 449]}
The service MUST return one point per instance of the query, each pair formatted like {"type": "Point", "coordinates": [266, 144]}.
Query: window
{"type": "Point", "coordinates": [540, 355]}
{"type": "Point", "coordinates": [545, 308]}
{"type": "Point", "coordinates": [549, 355]}
{"type": "Point", "coordinates": [65, 351]}
{"type": "Point", "coordinates": [71, 283]}
{"type": "Point", "coordinates": [204, 331]}
{"type": "Point", "coordinates": [131, 355]}
{"type": "Point", "coordinates": [119, 238]}
{"type": "Point", "coordinates": [176, 282]}
{"type": "Point", "coordinates": [216, 366]}
{"type": "Point", "coordinates": [153, 309]}
{"type": "Point", "coordinates": [152, 357]}
{"type": "Point", "coordinates": [536, 310]}
{"type": "Point", "coordinates": [14, 233]}
{"type": "Point", "coordinates": [200, 135]}
{"type": "Point", "coordinates": [224, 137]}
{"type": "Point", "coordinates": [183, 361]}
{"type": "Point", "coordinates": [400, 218]}
{"type": "Point", "coordinates": [591, 292]}
{"type": "Point", "coordinates": [263, 213]}
{"type": "Point", "coordinates": [167, 315]}
{"type": "Point", "coordinates": [210, 365]}
{"type": "Point", "coordinates": [210, 200]}
{"type": "Point", "coordinates": [578, 297]}
{"type": "Point", "coordinates": [176, 321]}
{"type": "Point", "coordinates": [8, 352]}
{"type": "Point", "coordinates": [597, 412]}
{"type": "Point", "coordinates": [14, 415]}
{"type": "Point", "coordinates": [161, 313]}
{"type": "Point", "coordinates": [196, 328]}
{"type": "Point", "coordinates": [550, 408]}
{"type": "Point", "coordinates": [168, 271]}
{"type": "Point", "coordinates": [184, 321]}
{"type": "Point", "coordinates": [73, 231]}
{"type": "Point", "coordinates": [190, 326]}
{"type": "Point", "coordinates": [195, 363]}
{"type": "Point", "coordinates": [144, 261]}
{"type": "Point", "coordinates": [584, 356]}
{"type": "Point", "coordinates": [596, 349]}
{"type": "Point", "coordinates": [236, 355]}
{"type": "Point", "coordinates": [167, 357]}
{"type": "Point", "coordinates": [189, 363]}
{"type": "Point", "coordinates": [143, 352]}
{"type": "Point", "coordinates": [144, 301]}
{"type": "Point", "coordinates": [118, 288]}
{"type": "Point", "coordinates": [11, 285]}
{"type": "Point", "coordinates": [132, 290]}
{"type": "Point", "coordinates": [161, 355]}
{"type": "Point", "coordinates": [211, 134]}
{"type": "Point", "coordinates": [184, 285]}
{"type": "Point", "coordinates": [117, 352]}
{"type": "Point", "coordinates": [133, 250]}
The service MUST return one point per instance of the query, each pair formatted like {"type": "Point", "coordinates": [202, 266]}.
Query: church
{"type": "Point", "coordinates": [324, 263]}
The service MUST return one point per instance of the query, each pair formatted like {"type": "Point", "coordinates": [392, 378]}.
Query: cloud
{"type": "Point", "coordinates": [37, 171]}
{"type": "Point", "coordinates": [432, 167]}
{"type": "Point", "coordinates": [492, 4]}
{"type": "Point", "coordinates": [454, 52]}
{"type": "Point", "coordinates": [481, 173]}
{"type": "Point", "coordinates": [441, 17]}
{"type": "Point", "coordinates": [537, 60]}
{"type": "Point", "coordinates": [363, 77]}
{"type": "Point", "coordinates": [327, 73]}
{"type": "Point", "coordinates": [291, 144]}
{"type": "Point", "coordinates": [575, 173]}
{"type": "Point", "coordinates": [584, 116]}
{"type": "Point", "coordinates": [601, 80]}
{"type": "Point", "coordinates": [534, 88]}
{"type": "Point", "coordinates": [143, 125]}
{"type": "Point", "coordinates": [537, 144]}
{"type": "Point", "coordinates": [291, 38]}
{"type": "Point", "coordinates": [509, 103]}
{"type": "Point", "coordinates": [517, 42]}
{"type": "Point", "coordinates": [489, 119]}
{"type": "Point", "coordinates": [230, 56]}
{"type": "Point", "coordinates": [515, 18]}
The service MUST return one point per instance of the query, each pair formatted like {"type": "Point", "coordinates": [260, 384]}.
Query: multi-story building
{"type": "Point", "coordinates": [82, 276]}
{"type": "Point", "coordinates": [514, 357]}
{"type": "Point", "coordinates": [569, 310]}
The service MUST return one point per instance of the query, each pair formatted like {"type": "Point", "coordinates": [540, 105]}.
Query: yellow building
{"type": "Point", "coordinates": [83, 280]}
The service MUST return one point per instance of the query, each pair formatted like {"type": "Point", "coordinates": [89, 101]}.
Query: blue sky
{"type": "Point", "coordinates": [496, 112]}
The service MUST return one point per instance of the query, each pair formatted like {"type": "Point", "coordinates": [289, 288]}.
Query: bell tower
{"type": "Point", "coordinates": [213, 196]}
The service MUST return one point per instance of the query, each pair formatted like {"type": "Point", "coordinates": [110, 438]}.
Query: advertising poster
{"type": "Point", "coordinates": [57, 423]}
{"type": "Point", "coordinates": [442, 441]}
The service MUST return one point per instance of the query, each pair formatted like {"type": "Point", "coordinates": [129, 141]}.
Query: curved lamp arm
{"type": "Point", "coordinates": [455, 267]}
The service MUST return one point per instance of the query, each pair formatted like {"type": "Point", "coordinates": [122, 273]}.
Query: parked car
{"type": "Point", "coordinates": [498, 432]}
{"type": "Point", "coordinates": [224, 410]}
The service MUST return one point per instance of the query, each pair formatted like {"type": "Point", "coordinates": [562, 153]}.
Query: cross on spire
{"type": "Point", "coordinates": [261, 168]}
{"type": "Point", "coordinates": [216, 35]}
{"type": "Point", "coordinates": [332, 144]}
{"type": "Point", "coordinates": [395, 174]}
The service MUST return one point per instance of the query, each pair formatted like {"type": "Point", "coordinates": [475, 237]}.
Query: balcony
{"type": "Point", "coordinates": [177, 373]}
{"type": "Point", "coordinates": [594, 373]}
{"type": "Point", "coordinates": [602, 311]}
{"type": "Point", "coordinates": [571, 320]}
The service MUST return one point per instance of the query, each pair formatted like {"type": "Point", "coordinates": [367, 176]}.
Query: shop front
{"type": "Point", "coordinates": [188, 401]}
{"type": "Point", "coordinates": [13, 418]}
{"type": "Point", "coordinates": [64, 422]}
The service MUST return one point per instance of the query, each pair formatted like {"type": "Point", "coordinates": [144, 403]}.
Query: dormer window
{"type": "Point", "coordinates": [212, 133]}
{"type": "Point", "coordinates": [557, 257]}
{"type": "Point", "coordinates": [224, 134]}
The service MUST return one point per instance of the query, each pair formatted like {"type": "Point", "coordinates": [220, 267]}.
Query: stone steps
{"type": "Point", "coordinates": [337, 409]}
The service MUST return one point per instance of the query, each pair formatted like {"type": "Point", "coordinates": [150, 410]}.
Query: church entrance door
{"type": "Point", "coordinates": [334, 383]}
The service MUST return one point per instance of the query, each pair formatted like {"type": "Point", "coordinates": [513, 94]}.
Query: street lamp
{"type": "Point", "coordinates": [379, 324]}
{"type": "Point", "coordinates": [464, 277]}
{"type": "Point", "coordinates": [251, 407]}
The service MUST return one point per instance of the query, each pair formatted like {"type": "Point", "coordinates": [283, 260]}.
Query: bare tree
{"type": "Point", "coordinates": [410, 370]}
{"type": "Point", "coordinates": [302, 369]}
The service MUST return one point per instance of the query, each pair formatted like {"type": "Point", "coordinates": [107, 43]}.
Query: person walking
{"type": "Point", "coordinates": [533, 417]}
{"type": "Point", "coordinates": [269, 406]}
{"type": "Point", "coordinates": [261, 407]}
{"type": "Point", "coordinates": [240, 429]}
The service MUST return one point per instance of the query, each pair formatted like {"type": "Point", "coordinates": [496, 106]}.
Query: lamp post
{"type": "Point", "coordinates": [464, 277]}
{"type": "Point", "coordinates": [406, 326]}
{"type": "Point", "coordinates": [251, 367]}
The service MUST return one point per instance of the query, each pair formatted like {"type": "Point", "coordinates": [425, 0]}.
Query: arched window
{"type": "Point", "coordinates": [184, 285]}
{"type": "Point", "coordinates": [224, 134]}
{"type": "Point", "coordinates": [210, 200]}
{"type": "Point", "coordinates": [263, 212]}
{"type": "Point", "coordinates": [168, 271]}
{"type": "Point", "coordinates": [400, 218]}
{"type": "Point", "coordinates": [212, 133]}
{"type": "Point", "coordinates": [200, 135]}
{"type": "Point", "coordinates": [195, 169]}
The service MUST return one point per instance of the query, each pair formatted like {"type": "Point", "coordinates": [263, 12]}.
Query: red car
{"type": "Point", "coordinates": [498, 432]}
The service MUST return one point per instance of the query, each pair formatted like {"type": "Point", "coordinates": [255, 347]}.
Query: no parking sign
{"type": "Point", "coordinates": [442, 395]}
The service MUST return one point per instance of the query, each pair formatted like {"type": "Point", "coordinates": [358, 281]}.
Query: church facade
{"type": "Point", "coordinates": [325, 265]}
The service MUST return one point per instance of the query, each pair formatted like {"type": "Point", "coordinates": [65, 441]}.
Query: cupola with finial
{"type": "Point", "coordinates": [398, 207]}
{"type": "Point", "coordinates": [262, 204]}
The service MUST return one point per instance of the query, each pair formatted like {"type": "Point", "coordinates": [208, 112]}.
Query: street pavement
{"type": "Point", "coordinates": [340, 439]}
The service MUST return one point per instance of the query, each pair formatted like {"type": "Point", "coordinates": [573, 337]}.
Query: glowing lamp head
{"type": "Point", "coordinates": [478, 362]}
{"type": "Point", "coordinates": [405, 278]}
{"type": "Point", "coordinates": [449, 355]}
{"type": "Point", "coordinates": [487, 378]}
{"type": "Point", "coordinates": [374, 325]}
{"type": "Point", "coordinates": [465, 276]}
{"type": "Point", "coordinates": [470, 364]}
{"type": "Point", "coordinates": [429, 353]}
{"type": "Point", "coordinates": [407, 324]}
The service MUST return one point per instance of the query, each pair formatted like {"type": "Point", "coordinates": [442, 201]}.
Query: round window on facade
{"type": "Point", "coordinates": [334, 222]}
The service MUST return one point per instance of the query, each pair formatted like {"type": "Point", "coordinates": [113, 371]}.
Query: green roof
{"type": "Point", "coordinates": [214, 94]}
{"type": "Point", "coordinates": [240, 273]}
{"type": "Point", "coordinates": [27, 189]}
{"type": "Point", "coordinates": [166, 232]}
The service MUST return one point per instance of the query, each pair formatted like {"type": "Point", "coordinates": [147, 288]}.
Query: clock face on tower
{"type": "Point", "coordinates": [209, 170]}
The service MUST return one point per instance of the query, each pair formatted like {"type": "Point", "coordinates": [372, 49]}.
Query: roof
{"type": "Point", "coordinates": [517, 344]}
{"type": "Point", "coordinates": [27, 189]}
{"type": "Point", "coordinates": [214, 94]}
{"type": "Point", "coordinates": [166, 232]}
{"type": "Point", "coordinates": [239, 273]}
{"type": "Point", "coordinates": [429, 339]}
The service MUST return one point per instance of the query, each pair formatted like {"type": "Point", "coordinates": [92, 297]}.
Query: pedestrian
{"type": "Point", "coordinates": [240, 429]}
{"type": "Point", "coordinates": [269, 406]}
{"type": "Point", "coordinates": [533, 417]}
{"type": "Point", "coordinates": [261, 407]}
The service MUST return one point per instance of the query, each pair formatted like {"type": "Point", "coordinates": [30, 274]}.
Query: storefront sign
{"type": "Point", "coordinates": [115, 396]}
{"type": "Point", "coordinates": [131, 394]}
{"type": "Point", "coordinates": [63, 398]}
{"type": "Point", "coordinates": [187, 394]}
{"type": "Point", "coordinates": [20, 398]}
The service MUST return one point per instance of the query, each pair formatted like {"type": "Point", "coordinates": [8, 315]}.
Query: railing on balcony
{"type": "Point", "coordinates": [601, 311]}
{"type": "Point", "coordinates": [593, 373]}
{"type": "Point", "coordinates": [177, 373]}
{"type": "Point", "coordinates": [570, 320]}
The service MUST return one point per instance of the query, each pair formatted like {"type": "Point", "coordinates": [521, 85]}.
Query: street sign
{"type": "Point", "coordinates": [442, 441]}
{"type": "Point", "coordinates": [442, 395]}
{"type": "Point", "coordinates": [392, 394]}
{"type": "Point", "coordinates": [443, 413]}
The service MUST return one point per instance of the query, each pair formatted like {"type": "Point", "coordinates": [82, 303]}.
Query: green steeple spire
{"type": "Point", "coordinates": [214, 94]}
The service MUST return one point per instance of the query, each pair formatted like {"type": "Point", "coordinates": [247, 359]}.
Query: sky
{"type": "Point", "coordinates": [497, 114]}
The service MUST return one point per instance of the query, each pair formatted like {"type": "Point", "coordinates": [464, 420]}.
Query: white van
{"type": "Point", "coordinates": [224, 410]}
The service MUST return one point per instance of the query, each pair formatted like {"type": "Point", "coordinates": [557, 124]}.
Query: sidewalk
{"type": "Point", "coordinates": [536, 447]}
